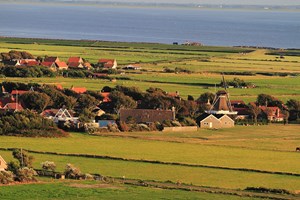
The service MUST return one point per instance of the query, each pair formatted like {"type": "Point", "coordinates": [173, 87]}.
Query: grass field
{"type": "Point", "coordinates": [205, 62]}
{"type": "Point", "coordinates": [258, 156]}
{"type": "Point", "coordinates": [70, 190]}
{"type": "Point", "coordinates": [258, 150]}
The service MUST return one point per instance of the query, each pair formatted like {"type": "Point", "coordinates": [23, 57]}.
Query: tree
{"type": "Point", "coordinates": [120, 100]}
{"type": "Point", "coordinates": [86, 101]}
{"type": "Point", "coordinates": [286, 116]}
{"type": "Point", "coordinates": [294, 104]}
{"type": "Point", "coordinates": [206, 97]}
{"type": "Point", "coordinates": [23, 157]}
{"type": "Point", "coordinates": [133, 92]}
{"type": "Point", "coordinates": [268, 100]}
{"type": "Point", "coordinates": [255, 111]}
{"type": "Point", "coordinates": [35, 101]}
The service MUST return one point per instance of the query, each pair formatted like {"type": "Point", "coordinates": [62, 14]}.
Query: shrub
{"type": "Point", "coordinates": [26, 174]}
{"type": "Point", "coordinates": [48, 166]}
{"type": "Point", "coordinates": [6, 177]}
{"type": "Point", "coordinates": [72, 172]}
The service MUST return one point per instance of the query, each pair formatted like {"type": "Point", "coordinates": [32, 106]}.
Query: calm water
{"type": "Point", "coordinates": [211, 27]}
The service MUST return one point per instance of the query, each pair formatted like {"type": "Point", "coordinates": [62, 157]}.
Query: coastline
{"type": "Point", "coordinates": [159, 6]}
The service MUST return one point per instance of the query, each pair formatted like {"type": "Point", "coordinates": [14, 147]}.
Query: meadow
{"type": "Point", "coordinates": [257, 156]}
{"type": "Point", "coordinates": [205, 63]}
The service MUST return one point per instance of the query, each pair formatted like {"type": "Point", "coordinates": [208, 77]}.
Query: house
{"type": "Point", "coordinates": [29, 62]}
{"type": "Point", "coordinates": [108, 63]}
{"type": "Point", "coordinates": [12, 107]}
{"type": "Point", "coordinates": [61, 65]}
{"type": "Point", "coordinates": [11, 62]}
{"type": "Point", "coordinates": [51, 59]}
{"type": "Point", "coordinates": [78, 90]}
{"type": "Point", "coordinates": [173, 94]}
{"type": "Point", "coordinates": [273, 114]}
{"type": "Point", "coordinates": [87, 65]}
{"type": "Point", "coordinates": [3, 164]}
{"type": "Point", "coordinates": [133, 67]}
{"type": "Point", "coordinates": [105, 96]}
{"type": "Point", "coordinates": [5, 100]}
{"type": "Point", "coordinates": [75, 60]}
{"type": "Point", "coordinates": [215, 121]}
{"type": "Point", "coordinates": [146, 115]}
{"type": "Point", "coordinates": [50, 65]}
{"type": "Point", "coordinates": [218, 115]}
{"type": "Point", "coordinates": [76, 65]}
{"type": "Point", "coordinates": [241, 108]}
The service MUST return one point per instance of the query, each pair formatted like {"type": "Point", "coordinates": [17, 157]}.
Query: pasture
{"type": "Point", "coordinates": [231, 159]}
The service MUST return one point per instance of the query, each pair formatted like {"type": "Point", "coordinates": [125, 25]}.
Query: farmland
{"type": "Point", "coordinates": [205, 63]}
{"type": "Point", "coordinates": [231, 159]}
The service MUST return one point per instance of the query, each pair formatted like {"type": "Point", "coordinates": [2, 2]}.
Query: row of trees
{"type": "Point", "coordinates": [29, 124]}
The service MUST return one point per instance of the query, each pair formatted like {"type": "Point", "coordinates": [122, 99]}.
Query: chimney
{"type": "Point", "coordinates": [174, 112]}
{"type": "Point", "coordinates": [278, 112]}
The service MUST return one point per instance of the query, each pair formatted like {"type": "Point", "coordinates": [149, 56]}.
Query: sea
{"type": "Point", "coordinates": [216, 27]}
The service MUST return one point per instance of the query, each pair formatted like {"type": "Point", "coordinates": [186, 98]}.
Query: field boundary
{"type": "Point", "coordinates": [157, 162]}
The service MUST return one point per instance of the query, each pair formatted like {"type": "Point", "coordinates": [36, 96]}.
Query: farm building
{"type": "Point", "coordinates": [3, 165]}
{"type": "Point", "coordinates": [218, 116]}
{"type": "Point", "coordinates": [108, 63]}
{"type": "Point", "coordinates": [215, 121]}
{"type": "Point", "coordinates": [146, 115]}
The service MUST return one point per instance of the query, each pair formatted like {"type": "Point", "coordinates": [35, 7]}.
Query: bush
{"type": "Point", "coordinates": [26, 174]}
{"type": "Point", "coordinates": [72, 172]}
{"type": "Point", "coordinates": [6, 177]}
{"type": "Point", "coordinates": [48, 166]}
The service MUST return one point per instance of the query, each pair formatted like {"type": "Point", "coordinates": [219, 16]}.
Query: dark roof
{"type": "Point", "coordinates": [51, 59]}
{"type": "Point", "coordinates": [146, 115]}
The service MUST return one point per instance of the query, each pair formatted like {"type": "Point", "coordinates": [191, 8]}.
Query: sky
{"type": "Point", "coordinates": [239, 2]}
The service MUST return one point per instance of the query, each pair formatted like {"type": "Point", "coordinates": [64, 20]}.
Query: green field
{"type": "Point", "coordinates": [205, 62]}
{"type": "Point", "coordinates": [231, 159]}
{"type": "Point", "coordinates": [70, 190]}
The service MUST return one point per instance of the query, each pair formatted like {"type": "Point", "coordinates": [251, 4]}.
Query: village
{"type": "Point", "coordinates": [129, 109]}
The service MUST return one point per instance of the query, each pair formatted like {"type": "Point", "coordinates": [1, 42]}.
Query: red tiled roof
{"type": "Point", "coordinates": [79, 90]}
{"type": "Point", "coordinates": [19, 92]}
{"type": "Point", "coordinates": [87, 65]}
{"type": "Point", "coordinates": [59, 86]}
{"type": "Point", "coordinates": [47, 64]}
{"type": "Point", "coordinates": [106, 61]}
{"type": "Point", "coordinates": [105, 96]}
{"type": "Point", "coordinates": [61, 65]}
{"type": "Point", "coordinates": [13, 106]}
{"type": "Point", "coordinates": [75, 65]}
{"type": "Point", "coordinates": [32, 63]}
{"type": "Point", "coordinates": [74, 60]}
{"type": "Point", "coordinates": [51, 59]}
{"type": "Point", "coordinates": [6, 100]}
{"type": "Point", "coordinates": [49, 112]}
